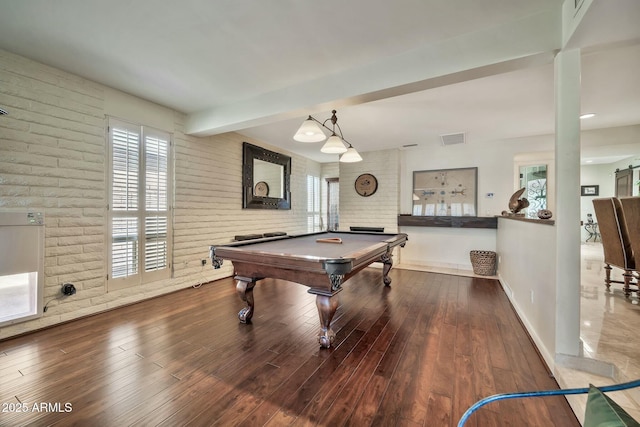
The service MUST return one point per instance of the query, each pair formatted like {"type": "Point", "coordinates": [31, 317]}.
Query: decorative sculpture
{"type": "Point", "coordinates": [516, 204]}
{"type": "Point", "coordinates": [544, 214]}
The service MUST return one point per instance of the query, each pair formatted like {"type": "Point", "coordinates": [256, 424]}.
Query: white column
{"type": "Point", "coordinates": [567, 215]}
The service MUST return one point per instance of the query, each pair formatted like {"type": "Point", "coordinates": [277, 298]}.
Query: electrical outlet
{"type": "Point", "coordinates": [531, 296]}
{"type": "Point", "coordinates": [204, 262]}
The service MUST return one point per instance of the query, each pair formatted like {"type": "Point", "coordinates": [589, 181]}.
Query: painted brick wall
{"type": "Point", "coordinates": [380, 209]}
{"type": "Point", "coordinates": [52, 159]}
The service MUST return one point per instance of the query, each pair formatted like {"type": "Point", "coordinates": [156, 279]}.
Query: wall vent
{"type": "Point", "coordinates": [453, 138]}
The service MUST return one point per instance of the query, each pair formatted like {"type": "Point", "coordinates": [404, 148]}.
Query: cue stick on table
{"type": "Point", "coordinates": [330, 240]}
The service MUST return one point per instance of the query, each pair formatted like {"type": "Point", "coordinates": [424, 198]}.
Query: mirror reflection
{"type": "Point", "coordinates": [268, 179]}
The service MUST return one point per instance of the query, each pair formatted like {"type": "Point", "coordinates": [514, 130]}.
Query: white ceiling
{"type": "Point", "coordinates": [401, 72]}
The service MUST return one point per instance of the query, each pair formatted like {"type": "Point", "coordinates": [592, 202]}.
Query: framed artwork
{"type": "Point", "coordinates": [445, 192]}
{"type": "Point", "coordinates": [589, 190]}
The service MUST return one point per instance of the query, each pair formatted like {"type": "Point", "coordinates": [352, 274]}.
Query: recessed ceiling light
{"type": "Point", "coordinates": [587, 116]}
{"type": "Point", "coordinates": [588, 161]}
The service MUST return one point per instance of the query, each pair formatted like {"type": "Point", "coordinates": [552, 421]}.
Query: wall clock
{"type": "Point", "coordinates": [261, 189]}
{"type": "Point", "coordinates": [366, 184]}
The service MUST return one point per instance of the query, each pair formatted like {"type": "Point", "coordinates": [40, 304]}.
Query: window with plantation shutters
{"type": "Point", "coordinates": [313, 203]}
{"type": "Point", "coordinates": [139, 205]}
{"type": "Point", "coordinates": [333, 203]}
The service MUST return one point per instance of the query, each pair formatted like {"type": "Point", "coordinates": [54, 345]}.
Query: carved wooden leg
{"type": "Point", "coordinates": [607, 277]}
{"type": "Point", "coordinates": [327, 307]}
{"type": "Point", "coordinates": [627, 281]}
{"type": "Point", "coordinates": [244, 287]}
{"type": "Point", "coordinates": [387, 262]}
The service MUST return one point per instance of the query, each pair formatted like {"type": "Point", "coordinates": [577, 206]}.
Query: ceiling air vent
{"type": "Point", "coordinates": [452, 138]}
{"type": "Point", "coordinates": [3, 112]}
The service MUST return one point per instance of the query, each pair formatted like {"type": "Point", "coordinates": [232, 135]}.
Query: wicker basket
{"type": "Point", "coordinates": [483, 262]}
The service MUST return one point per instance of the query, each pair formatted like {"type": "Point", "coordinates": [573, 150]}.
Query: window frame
{"type": "Point", "coordinates": [142, 213]}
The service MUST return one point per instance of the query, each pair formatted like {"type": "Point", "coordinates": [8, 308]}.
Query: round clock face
{"type": "Point", "coordinates": [261, 189]}
{"type": "Point", "coordinates": [366, 184]}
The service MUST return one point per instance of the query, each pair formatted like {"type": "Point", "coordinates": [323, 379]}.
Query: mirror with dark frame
{"type": "Point", "coordinates": [265, 178]}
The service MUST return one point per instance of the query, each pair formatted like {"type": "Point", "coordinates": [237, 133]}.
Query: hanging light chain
{"type": "Point", "coordinates": [334, 123]}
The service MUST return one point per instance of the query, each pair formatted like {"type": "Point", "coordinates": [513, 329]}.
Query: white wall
{"type": "Point", "coordinates": [52, 159]}
{"type": "Point", "coordinates": [526, 268]}
{"type": "Point", "coordinates": [494, 160]}
{"type": "Point", "coordinates": [601, 175]}
{"type": "Point", "coordinates": [448, 247]}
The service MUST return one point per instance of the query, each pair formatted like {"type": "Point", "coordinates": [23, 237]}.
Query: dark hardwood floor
{"type": "Point", "coordinates": [416, 354]}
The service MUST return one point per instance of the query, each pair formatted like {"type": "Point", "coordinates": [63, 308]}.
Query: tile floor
{"type": "Point", "coordinates": [609, 332]}
{"type": "Point", "coordinates": [608, 318]}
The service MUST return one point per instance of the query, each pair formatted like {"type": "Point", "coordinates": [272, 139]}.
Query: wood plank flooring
{"type": "Point", "coordinates": [416, 354]}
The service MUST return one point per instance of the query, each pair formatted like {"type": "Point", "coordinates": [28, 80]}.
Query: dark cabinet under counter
{"type": "Point", "coordinates": [448, 221]}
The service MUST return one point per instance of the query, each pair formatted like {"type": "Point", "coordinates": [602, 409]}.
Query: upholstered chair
{"type": "Point", "coordinates": [615, 242]}
{"type": "Point", "coordinates": [631, 209]}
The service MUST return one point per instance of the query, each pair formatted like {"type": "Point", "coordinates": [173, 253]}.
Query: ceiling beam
{"type": "Point", "coordinates": [503, 48]}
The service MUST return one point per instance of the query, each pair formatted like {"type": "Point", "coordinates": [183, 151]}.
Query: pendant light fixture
{"type": "Point", "coordinates": [311, 131]}
{"type": "Point", "coordinates": [350, 156]}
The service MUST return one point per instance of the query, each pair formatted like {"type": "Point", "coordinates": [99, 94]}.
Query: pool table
{"type": "Point", "coordinates": [322, 261]}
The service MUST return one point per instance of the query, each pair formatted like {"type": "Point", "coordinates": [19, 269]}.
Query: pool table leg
{"type": "Point", "coordinates": [327, 306]}
{"type": "Point", "coordinates": [387, 262]}
{"type": "Point", "coordinates": [244, 287]}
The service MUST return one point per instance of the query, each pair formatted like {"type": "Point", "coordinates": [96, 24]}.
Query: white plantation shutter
{"type": "Point", "coordinates": [333, 216]}
{"type": "Point", "coordinates": [155, 246]}
{"type": "Point", "coordinates": [125, 168]}
{"type": "Point", "coordinates": [313, 203]}
{"type": "Point", "coordinates": [156, 167]}
{"type": "Point", "coordinates": [156, 189]}
{"type": "Point", "coordinates": [139, 204]}
{"type": "Point", "coordinates": [124, 247]}
{"type": "Point", "coordinates": [125, 171]}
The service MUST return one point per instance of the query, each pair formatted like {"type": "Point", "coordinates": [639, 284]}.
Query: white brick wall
{"type": "Point", "coordinates": [52, 159]}
{"type": "Point", "coordinates": [380, 209]}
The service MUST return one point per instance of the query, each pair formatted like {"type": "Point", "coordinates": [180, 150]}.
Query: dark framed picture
{"type": "Point", "coordinates": [589, 190]}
